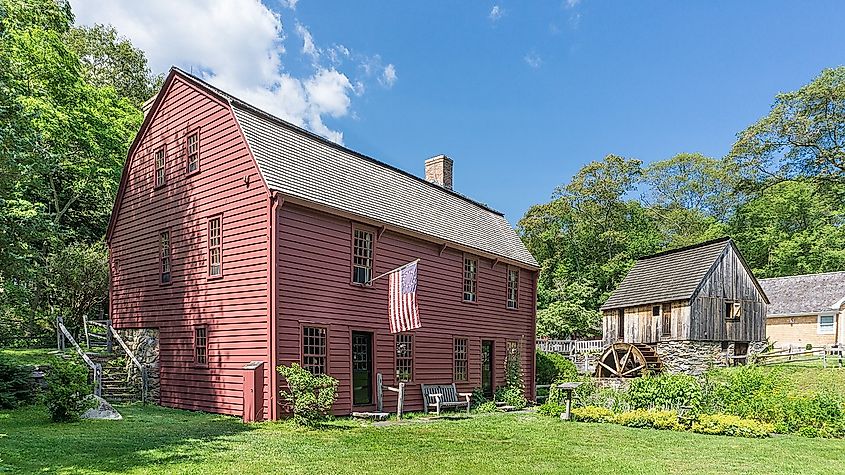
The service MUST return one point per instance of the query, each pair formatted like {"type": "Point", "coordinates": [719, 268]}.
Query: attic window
{"type": "Point", "coordinates": [160, 167]}
{"type": "Point", "coordinates": [733, 310]}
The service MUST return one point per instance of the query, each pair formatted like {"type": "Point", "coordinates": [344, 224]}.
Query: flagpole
{"type": "Point", "coordinates": [392, 271]}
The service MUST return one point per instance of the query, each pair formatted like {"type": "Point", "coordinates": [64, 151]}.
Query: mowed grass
{"type": "Point", "coordinates": [157, 440]}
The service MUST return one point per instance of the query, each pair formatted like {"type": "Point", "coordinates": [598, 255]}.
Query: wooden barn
{"type": "Point", "coordinates": [238, 237]}
{"type": "Point", "coordinates": [683, 310]}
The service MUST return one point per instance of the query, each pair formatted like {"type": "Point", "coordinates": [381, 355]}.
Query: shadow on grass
{"type": "Point", "coordinates": [148, 435]}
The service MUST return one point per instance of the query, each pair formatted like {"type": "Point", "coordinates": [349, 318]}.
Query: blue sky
{"type": "Point", "coordinates": [519, 94]}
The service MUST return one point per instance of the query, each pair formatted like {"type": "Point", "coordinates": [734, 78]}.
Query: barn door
{"type": "Point", "coordinates": [487, 368]}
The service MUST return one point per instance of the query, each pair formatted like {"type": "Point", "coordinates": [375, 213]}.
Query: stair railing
{"type": "Point", "coordinates": [142, 369]}
{"type": "Point", "coordinates": [98, 370]}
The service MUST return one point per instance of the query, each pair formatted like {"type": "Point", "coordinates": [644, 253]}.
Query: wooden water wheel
{"type": "Point", "coordinates": [627, 360]}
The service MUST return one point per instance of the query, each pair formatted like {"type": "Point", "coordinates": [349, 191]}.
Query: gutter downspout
{"type": "Point", "coordinates": [272, 338]}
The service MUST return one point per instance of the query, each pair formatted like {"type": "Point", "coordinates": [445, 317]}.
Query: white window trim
{"type": "Point", "coordinates": [819, 329]}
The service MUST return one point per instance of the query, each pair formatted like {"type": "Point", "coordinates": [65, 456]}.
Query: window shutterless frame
{"type": "Point", "coordinates": [165, 257]}
{"type": "Point", "coordinates": [826, 324]}
{"type": "Point", "coordinates": [404, 357]}
{"type": "Point", "coordinates": [460, 359]}
{"type": "Point", "coordinates": [470, 293]}
{"type": "Point", "coordinates": [363, 254]}
{"type": "Point", "coordinates": [192, 151]}
{"type": "Point", "coordinates": [214, 244]}
{"type": "Point", "coordinates": [201, 345]}
{"type": "Point", "coordinates": [160, 167]}
{"type": "Point", "coordinates": [314, 348]}
{"type": "Point", "coordinates": [513, 288]}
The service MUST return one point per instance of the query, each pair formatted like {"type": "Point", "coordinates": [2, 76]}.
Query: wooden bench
{"type": "Point", "coordinates": [443, 396]}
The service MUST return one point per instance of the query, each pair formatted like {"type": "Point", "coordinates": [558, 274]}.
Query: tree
{"type": "Point", "coordinates": [109, 60]}
{"type": "Point", "coordinates": [802, 137]}
{"type": "Point", "coordinates": [63, 141]}
{"type": "Point", "coordinates": [78, 278]}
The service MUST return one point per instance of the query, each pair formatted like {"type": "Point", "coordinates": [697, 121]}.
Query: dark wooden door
{"type": "Point", "coordinates": [487, 368]}
{"type": "Point", "coordinates": [362, 368]}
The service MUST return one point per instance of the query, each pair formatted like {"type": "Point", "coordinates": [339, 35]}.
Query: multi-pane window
{"type": "Point", "coordinates": [404, 357]}
{"type": "Point", "coordinates": [513, 288]}
{"type": "Point", "coordinates": [201, 345]}
{"type": "Point", "coordinates": [362, 256]}
{"type": "Point", "coordinates": [193, 147]}
{"type": "Point", "coordinates": [314, 344]}
{"type": "Point", "coordinates": [160, 167]}
{"type": "Point", "coordinates": [164, 255]}
{"type": "Point", "coordinates": [461, 365]}
{"type": "Point", "coordinates": [470, 279]}
{"type": "Point", "coordinates": [215, 258]}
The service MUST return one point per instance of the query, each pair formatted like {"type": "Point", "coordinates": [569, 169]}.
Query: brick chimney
{"type": "Point", "coordinates": [438, 170]}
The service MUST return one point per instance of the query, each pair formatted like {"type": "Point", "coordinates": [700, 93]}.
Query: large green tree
{"type": "Point", "coordinates": [63, 140]}
{"type": "Point", "coordinates": [802, 137]}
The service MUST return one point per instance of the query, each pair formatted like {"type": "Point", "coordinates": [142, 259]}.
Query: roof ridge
{"type": "Point", "coordinates": [804, 275]}
{"type": "Point", "coordinates": [687, 248]}
{"type": "Point", "coordinates": [254, 109]}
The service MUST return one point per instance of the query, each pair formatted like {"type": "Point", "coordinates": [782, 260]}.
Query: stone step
{"type": "Point", "coordinates": [378, 416]}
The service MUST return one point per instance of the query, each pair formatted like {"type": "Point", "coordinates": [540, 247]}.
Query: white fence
{"type": "Point", "coordinates": [569, 347]}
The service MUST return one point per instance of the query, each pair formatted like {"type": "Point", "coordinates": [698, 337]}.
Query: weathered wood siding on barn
{"type": "Point", "coordinates": [314, 268]}
{"type": "Point", "coordinates": [235, 308]}
{"type": "Point", "coordinates": [643, 327]}
{"type": "Point", "coordinates": [730, 280]}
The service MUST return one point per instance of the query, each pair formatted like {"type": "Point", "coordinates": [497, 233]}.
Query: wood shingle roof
{"type": "Point", "coordinates": [805, 294]}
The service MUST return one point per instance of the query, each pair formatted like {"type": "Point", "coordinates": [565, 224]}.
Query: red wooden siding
{"type": "Point", "coordinates": [234, 308]}
{"type": "Point", "coordinates": [314, 287]}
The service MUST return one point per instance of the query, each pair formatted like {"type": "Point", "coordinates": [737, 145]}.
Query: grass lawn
{"type": "Point", "coordinates": [157, 440]}
{"type": "Point", "coordinates": [29, 356]}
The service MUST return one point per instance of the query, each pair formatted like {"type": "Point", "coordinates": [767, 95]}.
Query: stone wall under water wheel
{"type": "Point", "coordinates": [696, 357]}
{"type": "Point", "coordinates": [143, 342]}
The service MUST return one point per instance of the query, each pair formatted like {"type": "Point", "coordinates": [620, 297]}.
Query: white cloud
{"type": "Point", "coordinates": [572, 3]}
{"type": "Point", "coordinates": [388, 76]}
{"type": "Point", "coordinates": [533, 60]}
{"type": "Point", "coordinates": [239, 47]}
{"type": "Point", "coordinates": [308, 46]}
{"type": "Point", "coordinates": [496, 13]}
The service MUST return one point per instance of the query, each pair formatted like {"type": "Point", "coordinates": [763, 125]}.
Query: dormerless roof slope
{"type": "Point", "coordinates": [668, 276]}
{"type": "Point", "coordinates": [300, 164]}
{"type": "Point", "coordinates": [805, 294]}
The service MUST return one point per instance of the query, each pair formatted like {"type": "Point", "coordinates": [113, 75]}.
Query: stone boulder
{"type": "Point", "coordinates": [103, 410]}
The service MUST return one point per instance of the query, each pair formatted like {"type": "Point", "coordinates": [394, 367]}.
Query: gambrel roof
{"type": "Point", "coordinates": [805, 294]}
{"type": "Point", "coordinates": [304, 166]}
{"type": "Point", "coordinates": [669, 276]}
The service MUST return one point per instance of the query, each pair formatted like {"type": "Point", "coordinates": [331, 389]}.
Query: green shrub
{"type": "Point", "coordinates": [649, 419]}
{"type": "Point", "coordinates": [67, 390]}
{"type": "Point", "coordinates": [593, 414]}
{"type": "Point", "coordinates": [821, 414]}
{"type": "Point", "coordinates": [608, 398]}
{"type": "Point", "coordinates": [727, 424]}
{"type": "Point", "coordinates": [512, 396]}
{"type": "Point", "coordinates": [550, 408]}
{"type": "Point", "coordinates": [745, 391]}
{"type": "Point", "coordinates": [666, 391]}
{"type": "Point", "coordinates": [552, 367]}
{"type": "Point", "coordinates": [16, 387]}
{"type": "Point", "coordinates": [486, 407]}
{"type": "Point", "coordinates": [309, 396]}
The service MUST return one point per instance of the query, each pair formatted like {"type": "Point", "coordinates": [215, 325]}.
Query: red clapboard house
{"type": "Point", "coordinates": [239, 237]}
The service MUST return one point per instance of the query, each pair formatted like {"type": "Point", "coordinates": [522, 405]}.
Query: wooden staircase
{"type": "Point", "coordinates": [115, 378]}
{"type": "Point", "coordinates": [653, 363]}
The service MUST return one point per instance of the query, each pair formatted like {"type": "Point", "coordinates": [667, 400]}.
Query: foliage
{"type": "Point", "coordinates": [801, 137]}
{"type": "Point", "coordinates": [309, 396]}
{"type": "Point", "coordinates": [63, 141]}
{"type": "Point", "coordinates": [513, 392]}
{"type": "Point", "coordinates": [608, 398]}
{"type": "Point", "coordinates": [67, 390]}
{"type": "Point", "coordinates": [665, 391]}
{"type": "Point", "coordinates": [551, 408]}
{"type": "Point", "coordinates": [16, 387]}
{"type": "Point", "coordinates": [552, 367]}
{"type": "Point", "coordinates": [486, 407]}
{"type": "Point", "coordinates": [78, 277]}
{"type": "Point", "coordinates": [649, 419]}
{"type": "Point", "coordinates": [725, 424]}
{"type": "Point", "coordinates": [511, 396]}
{"type": "Point", "coordinates": [593, 414]}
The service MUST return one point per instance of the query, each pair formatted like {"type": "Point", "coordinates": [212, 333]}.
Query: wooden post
{"type": "Point", "coordinates": [379, 393]}
{"type": "Point", "coordinates": [824, 356]}
{"type": "Point", "coordinates": [108, 336]}
{"type": "Point", "coordinates": [401, 401]}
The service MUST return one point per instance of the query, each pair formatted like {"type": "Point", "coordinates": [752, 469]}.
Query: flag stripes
{"type": "Point", "coordinates": [404, 314]}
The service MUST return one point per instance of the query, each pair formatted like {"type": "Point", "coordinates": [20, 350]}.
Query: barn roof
{"type": "Point", "coordinates": [805, 294]}
{"type": "Point", "coordinates": [667, 276]}
{"type": "Point", "coordinates": [303, 165]}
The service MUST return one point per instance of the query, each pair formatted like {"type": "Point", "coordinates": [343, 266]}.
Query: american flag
{"type": "Point", "coordinates": [404, 314]}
